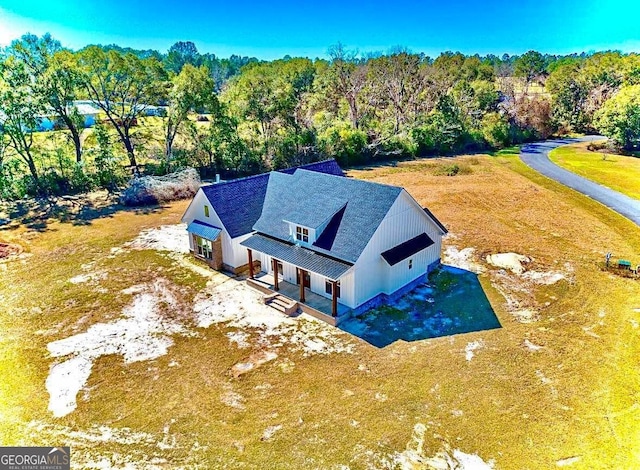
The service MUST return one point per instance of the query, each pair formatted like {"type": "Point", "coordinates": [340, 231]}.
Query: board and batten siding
{"type": "Point", "coordinates": [317, 281]}
{"type": "Point", "coordinates": [405, 220]}
{"type": "Point", "coordinates": [233, 254]}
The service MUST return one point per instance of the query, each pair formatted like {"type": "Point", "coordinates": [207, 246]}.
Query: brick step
{"type": "Point", "coordinates": [278, 307]}
{"type": "Point", "coordinates": [281, 301]}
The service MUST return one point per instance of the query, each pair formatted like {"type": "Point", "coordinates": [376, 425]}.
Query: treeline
{"type": "Point", "coordinates": [235, 116]}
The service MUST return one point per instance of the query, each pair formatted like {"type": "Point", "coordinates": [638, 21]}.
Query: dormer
{"type": "Point", "coordinates": [306, 225]}
{"type": "Point", "coordinates": [302, 235]}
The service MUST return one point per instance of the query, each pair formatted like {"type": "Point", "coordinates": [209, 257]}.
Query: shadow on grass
{"type": "Point", "coordinates": [452, 302]}
{"type": "Point", "coordinates": [37, 214]}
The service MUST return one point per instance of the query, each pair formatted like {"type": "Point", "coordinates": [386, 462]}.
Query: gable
{"type": "Point", "coordinates": [425, 212]}
{"type": "Point", "coordinates": [352, 208]}
{"type": "Point", "coordinates": [239, 202]}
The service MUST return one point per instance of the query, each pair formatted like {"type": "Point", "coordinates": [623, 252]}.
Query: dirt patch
{"type": "Point", "coordinates": [469, 350]}
{"type": "Point", "coordinates": [143, 333]}
{"type": "Point", "coordinates": [252, 362]}
{"type": "Point", "coordinates": [512, 276]}
{"type": "Point", "coordinates": [108, 447]}
{"type": "Point", "coordinates": [172, 238]}
{"type": "Point", "coordinates": [511, 261]}
{"type": "Point", "coordinates": [463, 259]}
{"type": "Point", "coordinates": [8, 250]}
{"type": "Point", "coordinates": [447, 458]}
{"type": "Point", "coordinates": [238, 306]}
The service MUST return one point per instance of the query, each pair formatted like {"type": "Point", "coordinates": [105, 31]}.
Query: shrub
{"type": "Point", "coordinates": [344, 143]}
{"type": "Point", "coordinates": [495, 130]}
{"type": "Point", "coordinates": [441, 134]}
{"type": "Point", "coordinates": [619, 118]}
{"type": "Point", "coordinates": [158, 189]}
{"type": "Point", "coordinates": [452, 169]}
{"type": "Point", "coordinates": [400, 145]}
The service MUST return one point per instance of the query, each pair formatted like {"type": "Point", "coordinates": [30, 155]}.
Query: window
{"type": "Point", "coordinates": [302, 234]}
{"type": "Point", "coordinates": [206, 211]}
{"type": "Point", "coordinates": [328, 288]}
{"type": "Point", "coordinates": [280, 269]}
{"type": "Point", "coordinates": [410, 263]}
{"type": "Point", "coordinates": [203, 247]}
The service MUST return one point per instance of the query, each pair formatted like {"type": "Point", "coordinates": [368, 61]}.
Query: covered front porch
{"type": "Point", "coordinates": [313, 304]}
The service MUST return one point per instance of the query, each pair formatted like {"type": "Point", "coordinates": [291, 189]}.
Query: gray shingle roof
{"type": "Point", "coordinates": [309, 215]}
{"type": "Point", "coordinates": [406, 249]}
{"type": "Point", "coordinates": [297, 255]}
{"type": "Point", "coordinates": [306, 192]}
{"type": "Point", "coordinates": [238, 202]}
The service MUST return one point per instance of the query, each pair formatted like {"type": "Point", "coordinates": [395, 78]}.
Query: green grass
{"type": "Point", "coordinates": [514, 150]}
{"type": "Point", "coordinates": [617, 172]}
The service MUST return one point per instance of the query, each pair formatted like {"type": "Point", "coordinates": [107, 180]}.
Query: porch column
{"type": "Point", "coordinates": [250, 262]}
{"type": "Point", "coordinates": [275, 273]}
{"type": "Point", "coordinates": [334, 298]}
{"type": "Point", "coordinates": [302, 274]}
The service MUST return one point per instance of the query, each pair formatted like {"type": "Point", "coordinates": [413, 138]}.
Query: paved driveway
{"type": "Point", "coordinates": [536, 156]}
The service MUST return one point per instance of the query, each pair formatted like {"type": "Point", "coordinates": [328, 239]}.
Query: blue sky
{"type": "Point", "coordinates": [272, 29]}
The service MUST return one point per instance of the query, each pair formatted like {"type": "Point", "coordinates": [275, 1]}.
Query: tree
{"type": "Point", "coordinates": [268, 96]}
{"type": "Point", "coordinates": [529, 66]}
{"type": "Point", "coordinates": [108, 171]}
{"type": "Point", "coordinates": [346, 80]}
{"type": "Point", "coordinates": [181, 54]}
{"type": "Point", "coordinates": [569, 93]}
{"type": "Point", "coordinates": [220, 143]}
{"type": "Point", "coordinates": [122, 86]}
{"type": "Point", "coordinates": [21, 112]}
{"type": "Point", "coordinates": [396, 83]}
{"type": "Point", "coordinates": [191, 89]}
{"type": "Point", "coordinates": [54, 78]}
{"type": "Point", "coordinates": [59, 84]}
{"type": "Point", "coordinates": [619, 118]}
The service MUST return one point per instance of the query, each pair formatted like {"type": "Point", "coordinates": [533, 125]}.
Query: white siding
{"type": "Point", "coordinates": [317, 281]}
{"type": "Point", "coordinates": [292, 234]}
{"type": "Point", "coordinates": [233, 254]}
{"type": "Point", "coordinates": [404, 221]}
{"type": "Point", "coordinates": [239, 256]}
{"type": "Point", "coordinates": [371, 275]}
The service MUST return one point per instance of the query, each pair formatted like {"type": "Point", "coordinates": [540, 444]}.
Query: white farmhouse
{"type": "Point", "coordinates": [352, 242]}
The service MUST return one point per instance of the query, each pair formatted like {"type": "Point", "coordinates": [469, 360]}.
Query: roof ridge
{"type": "Point", "coordinates": [281, 171]}
{"type": "Point", "coordinates": [244, 178]}
{"type": "Point", "coordinates": [350, 178]}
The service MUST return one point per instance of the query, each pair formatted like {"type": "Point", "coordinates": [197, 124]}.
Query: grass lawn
{"type": "Point", "coordinates": [615, 171]}
{"type": "Point", "coordinates": [559, 386]}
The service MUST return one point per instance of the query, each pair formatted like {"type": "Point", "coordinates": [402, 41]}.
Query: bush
{"type": "Point", "coordinates": [158, 189]}
{"type": "Point", "coordinates": [400, 145]}
{"type": "Point", "coordinates": [619, 118]}
{"type": "Point", "coordinates": [109, 174]}
{"type": "Point", "coordinates": [344, 143]}
{"type": "Point", "coordinates": [495, 130]}
{"type": "Point", "coordinates": [452, 169]}
{"type": "Point", "coordinates": [441, 134]}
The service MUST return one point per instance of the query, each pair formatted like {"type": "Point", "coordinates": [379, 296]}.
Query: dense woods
{"type": "Point", "coordinates": [158, 112]}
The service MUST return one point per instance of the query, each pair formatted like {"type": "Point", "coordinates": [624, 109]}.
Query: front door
{"type": "Point", "coordinates": [307, 278]}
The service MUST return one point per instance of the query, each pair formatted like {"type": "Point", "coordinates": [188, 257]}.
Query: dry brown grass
{"type": "Point", "coordinates": [577, 396]}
